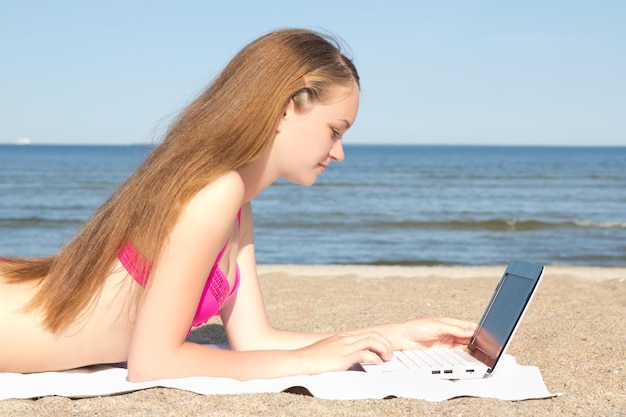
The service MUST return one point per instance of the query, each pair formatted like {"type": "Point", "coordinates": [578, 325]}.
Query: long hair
{"type": "Point", "coordinates": [227, 126]}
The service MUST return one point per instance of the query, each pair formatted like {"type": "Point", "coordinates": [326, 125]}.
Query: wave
{"type": "Point", "coordinates": [492, 225]}
{"type": "Point", "coordinates": [600, 225]}
{"type": "Point", "coordinates": [503, 225]}
{"type": "Point", "coordinates": [577, 259]}
{"type": "Point", "coordinates": [36, 221]}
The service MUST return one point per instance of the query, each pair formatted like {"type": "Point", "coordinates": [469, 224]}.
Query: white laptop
{"type": "Point", "coordinates": [495, 331]}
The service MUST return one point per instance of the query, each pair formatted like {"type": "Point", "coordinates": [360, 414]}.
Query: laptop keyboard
{"type": "Point", "coordinates": [435, 361]}
{"type": "Point", "coordinates": [433, 358]}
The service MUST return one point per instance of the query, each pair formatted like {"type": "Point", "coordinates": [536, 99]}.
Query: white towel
{"type": "Point", "coordinates": [509, 382]}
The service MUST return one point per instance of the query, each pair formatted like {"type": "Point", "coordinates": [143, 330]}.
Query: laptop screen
{"type": "Point", "coordinates": [502, 315]}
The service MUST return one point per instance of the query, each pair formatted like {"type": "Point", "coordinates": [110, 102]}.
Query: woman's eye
{"type": "Point", "coordinates": [335, 133]}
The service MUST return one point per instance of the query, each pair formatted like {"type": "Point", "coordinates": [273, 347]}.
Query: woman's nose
{"type": "Point", "coordinates": [336, 152]}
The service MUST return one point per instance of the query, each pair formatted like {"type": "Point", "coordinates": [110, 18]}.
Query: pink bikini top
{"type": "Point", "coordinates": [216, 291]}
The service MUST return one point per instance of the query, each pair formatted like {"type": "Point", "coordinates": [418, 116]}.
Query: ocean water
{"type": "Point", "coordinates": [389, 205]}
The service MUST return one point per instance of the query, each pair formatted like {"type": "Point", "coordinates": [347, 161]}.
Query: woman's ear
{"type": "Point", "coordinates": [287, 112]}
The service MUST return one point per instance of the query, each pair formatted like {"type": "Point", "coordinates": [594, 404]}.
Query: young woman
{"type": "Point", "coordinates": [174, 245]}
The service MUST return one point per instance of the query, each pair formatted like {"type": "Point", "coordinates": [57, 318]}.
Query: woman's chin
{"type": "Point", "coordinates": [304, 181]}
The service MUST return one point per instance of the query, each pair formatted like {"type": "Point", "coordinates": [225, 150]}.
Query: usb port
{"type": "Point", "coordinates": [447, 371]}
{"type": "Point", "coordinates": [469, 371]}
{"type": "Point", "coordinates": [436, 372]}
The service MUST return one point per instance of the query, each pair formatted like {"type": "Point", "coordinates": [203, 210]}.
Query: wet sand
{"type": "Point", "coordinates": [574, 332]}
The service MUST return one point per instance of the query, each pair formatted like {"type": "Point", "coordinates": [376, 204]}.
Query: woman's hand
{"type": "Point", "coordinates": [340, 351]}
{"type": "Point", "coordinates": [431, 332]}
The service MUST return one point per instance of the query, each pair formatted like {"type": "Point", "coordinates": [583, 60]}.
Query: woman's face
{"type": "Point", "coordinates": [307, 142]}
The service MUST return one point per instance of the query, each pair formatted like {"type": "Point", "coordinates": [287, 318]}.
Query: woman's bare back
{"type": "Point", "coordinates": [100, 335]}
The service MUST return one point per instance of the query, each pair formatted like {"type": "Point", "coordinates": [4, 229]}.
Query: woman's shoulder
{"type": "Point", "coordinates": [230, 181]}
{"type": "Point", "coordinates": [227, 191]}
{"type": "Point", "coordinates": [212, 208]}
{"type": "Point", "coordinates": [227, 186]}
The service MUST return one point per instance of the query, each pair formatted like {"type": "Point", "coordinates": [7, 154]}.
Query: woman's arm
{"type": "Point", "coordinates": [158, 347]}
{"type": "Point", "coordinates": [248, 328]}
{"type": "Point", "coordinates": [245, 319]}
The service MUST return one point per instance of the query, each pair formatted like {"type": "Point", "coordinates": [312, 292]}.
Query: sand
{"type": "Point", "coordinates": [574, 332]}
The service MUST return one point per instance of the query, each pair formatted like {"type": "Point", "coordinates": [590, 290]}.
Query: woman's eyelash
{"type": "Point", "coordinates": [335, 133]}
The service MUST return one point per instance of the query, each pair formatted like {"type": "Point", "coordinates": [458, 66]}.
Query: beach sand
{"type": "Point", "coordinates": [574, 332]}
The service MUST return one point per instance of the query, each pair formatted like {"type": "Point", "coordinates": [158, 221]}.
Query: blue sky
{"type": "Point", "coordinates": [433, 72]}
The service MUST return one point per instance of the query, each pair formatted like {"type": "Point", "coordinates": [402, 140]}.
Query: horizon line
{"type": "Point", "coordinates": [476, 144]}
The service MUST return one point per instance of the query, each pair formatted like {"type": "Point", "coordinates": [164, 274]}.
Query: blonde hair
{"type": "Point", "coordinates": [229, 125]}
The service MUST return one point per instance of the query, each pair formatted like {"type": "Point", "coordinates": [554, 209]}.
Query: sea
{"type": "Point", "coordinates": [384, 205]}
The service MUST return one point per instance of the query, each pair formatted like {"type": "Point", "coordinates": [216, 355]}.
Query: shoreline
{"type": "Point", "coordinates": [573, 332]}
{"type": "Point", "coordinates": [591, 273]}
